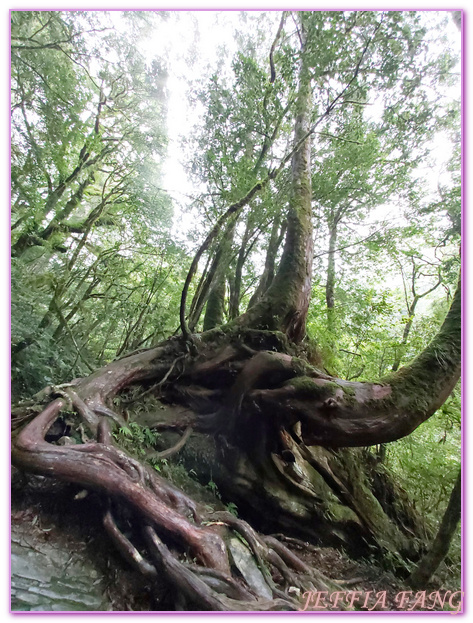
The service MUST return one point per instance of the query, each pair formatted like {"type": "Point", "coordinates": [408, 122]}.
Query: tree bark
{"type": "Point", "coordinates": [285, 305]}
{"type": "Point", "coordinates": [267, 277]}
{"type": "Point", "coordinates": [215, 310]}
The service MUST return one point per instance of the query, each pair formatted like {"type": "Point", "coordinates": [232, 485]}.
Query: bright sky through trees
{"type": "Point", "coordinates": [270, 241]}
{"type": "Point", "coordinates": [196, 42]}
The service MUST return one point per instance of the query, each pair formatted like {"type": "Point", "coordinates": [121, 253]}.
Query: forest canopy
{"type": "Point", "coordinates": [236, 293]}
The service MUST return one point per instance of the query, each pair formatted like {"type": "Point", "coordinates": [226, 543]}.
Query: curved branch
{"type": "Point", "coordinates": [338, 413]}
{"type": "Point", "coordinates": [97, 466]}
{"type": "Point", "coordinates": [273, 47]}
{"type": "Point", "coordinates": [233, 209]}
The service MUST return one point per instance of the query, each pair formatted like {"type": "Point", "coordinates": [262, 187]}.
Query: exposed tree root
{"type": "Point", "coordinates": [265, 406]}
{"type": "Point", "coordinates": [126, 547]}
{"type": "Point", "coordinates": [157, 507]}
{"type": "Point", "coordinates": [166, 454]}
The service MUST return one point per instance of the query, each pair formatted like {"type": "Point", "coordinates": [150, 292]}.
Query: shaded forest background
{"type": "Point", "coordinates": [101, 248]}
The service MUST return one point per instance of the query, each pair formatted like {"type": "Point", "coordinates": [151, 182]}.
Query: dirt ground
{"type": "Point", "coordinates": [63, 560]}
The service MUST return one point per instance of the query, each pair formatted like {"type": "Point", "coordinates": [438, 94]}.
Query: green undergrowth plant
{"type": "Point", "coordinates": [136, 439]}
{"type": "Point", "coordinates": [426, 465]}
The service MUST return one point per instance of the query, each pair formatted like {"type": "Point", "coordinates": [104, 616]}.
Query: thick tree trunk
{"type": "Point", "coordinates": [337, 413]}
{"type": "Point", "coordinates": [285, 305]}
{"type": "Point", "coordinates": [429, 564]}
{"type": "Point", "coordinates": [269, 270]}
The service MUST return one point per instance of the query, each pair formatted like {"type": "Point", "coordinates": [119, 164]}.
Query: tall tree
{"type": "Point", "coordinates": [280, 437]}
{"type": "Point", "coordinates": [87, 139]}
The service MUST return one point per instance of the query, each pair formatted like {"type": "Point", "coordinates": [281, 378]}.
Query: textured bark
{"type": "Point", "coordinates": [275, 240]}
{"type": "Point", "coordinates": [285, 305]}
{"type": "Point", "coordinates": [157, 506]}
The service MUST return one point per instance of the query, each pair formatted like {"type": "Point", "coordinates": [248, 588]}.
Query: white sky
{"type": "Point", "coordinates": [177, 37]}
{"type": "Point", "coordinates": [196, 36]}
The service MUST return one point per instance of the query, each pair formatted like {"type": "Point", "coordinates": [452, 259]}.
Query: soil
{"type": "Point", "coordinates": [54, 522]}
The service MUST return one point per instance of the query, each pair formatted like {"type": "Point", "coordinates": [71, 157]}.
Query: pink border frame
{"type": "Point", "coordinates": [464, 262]}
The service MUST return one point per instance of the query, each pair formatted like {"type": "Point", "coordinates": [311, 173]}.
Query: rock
{"type": "Point", "coordinates": [66, 441]}
{"type": "Point", "coordinates": [49, 578]}
{"type": "Point", "coordinates": [246, 565]}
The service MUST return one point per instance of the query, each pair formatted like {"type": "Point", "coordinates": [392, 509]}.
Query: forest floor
{"type": "Point", "coordinates": [54, 527]}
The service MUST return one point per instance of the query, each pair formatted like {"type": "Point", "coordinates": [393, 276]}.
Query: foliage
{"type": "Point", "coordinates": [426, 465]}
{"type": "Point", "coordinates": [94, 263]}
{"type": "Point", "coordinates": [97, 267]}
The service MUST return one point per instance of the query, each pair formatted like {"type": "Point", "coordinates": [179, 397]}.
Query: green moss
{"type": "Point", "coordinates": [332, 385]}
{"type": "Point", "coordinates": [300, 367]}
{"type": "Point", "coordinates": [307, 389]}
{"type": "Point", "coordinates": [339, 513]}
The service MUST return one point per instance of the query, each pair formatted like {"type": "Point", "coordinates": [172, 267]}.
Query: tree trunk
{"type": "Point", "coordinates": [267, 277]}
{"type": "Point", "coordinates": [203, 289]}
{"type": "Point", "coordinates": [429, 564]}
{"type": "Point", "coordinates": [330, 283]}
{"type": "Point", "coordinates": [235, 289]}
{"type": "Point", "coordinates": [214, 313]}
{"type": "Point", "coordinates": [285, 304]}
{"type": "Point", "coordinates": [213, 278]}
{"type": "Point", "coordinates": [215, 310]}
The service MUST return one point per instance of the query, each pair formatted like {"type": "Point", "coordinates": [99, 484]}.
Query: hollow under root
{"type": "Point", "coordinates": [164, 515]}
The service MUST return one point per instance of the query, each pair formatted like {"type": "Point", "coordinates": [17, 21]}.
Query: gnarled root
{"type": "Point", "coordinates": [161, 513]}
{"type": "Point", "coordinates": [174, 538]}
